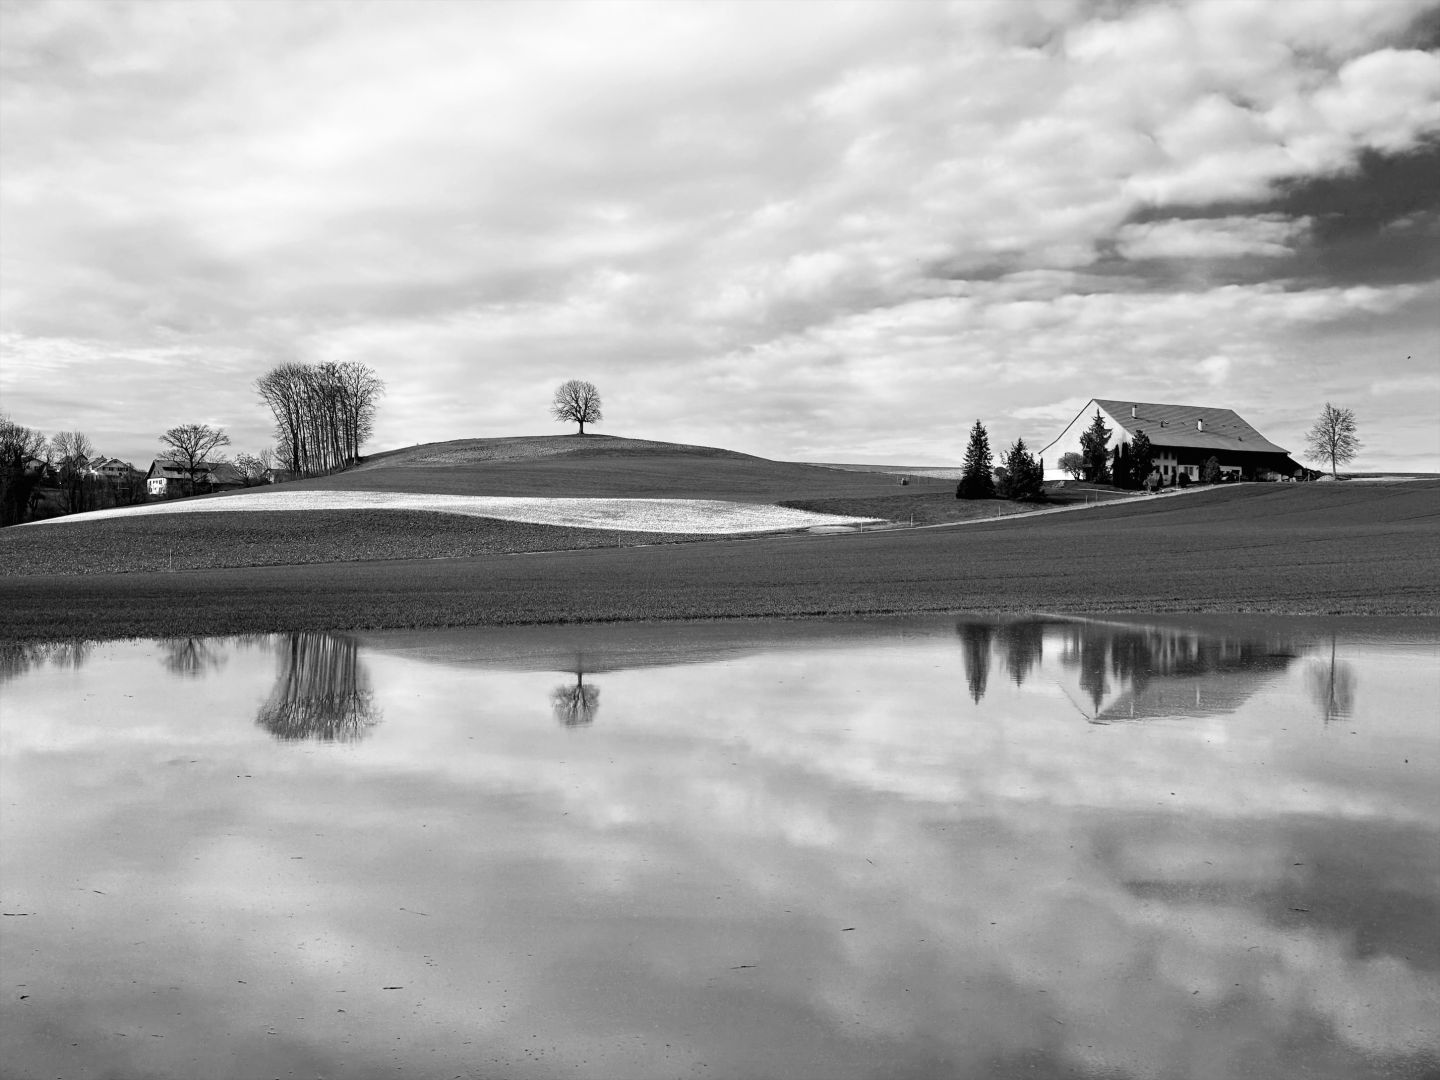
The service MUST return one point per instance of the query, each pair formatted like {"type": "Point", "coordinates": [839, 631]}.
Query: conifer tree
{"type": "Point", "coordinates": [977, 480]}
{"type": "Point", "coordinates": [1120, 472]}
{"type": "Point", "coordinates": [1024, 476]}
{"type": "Point", "coordinates": [1142, 458]}
{"type": "Point", "coordinates": [1094, 447]}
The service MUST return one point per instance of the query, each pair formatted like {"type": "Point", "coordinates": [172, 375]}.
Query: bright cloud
{"type": "Point", "coordinates": [751, 226]}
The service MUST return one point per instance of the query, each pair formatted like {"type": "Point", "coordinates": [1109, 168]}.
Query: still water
{"type": "Point", "coordinates": [924, 848]}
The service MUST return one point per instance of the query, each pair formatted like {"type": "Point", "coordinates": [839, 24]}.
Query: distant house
{"type": "Point", "coordinates": [168, 479]}
{"type": "Point", "coordinates": [1184, 437]}
{"type": "Point", "coordinates": [113, 469]}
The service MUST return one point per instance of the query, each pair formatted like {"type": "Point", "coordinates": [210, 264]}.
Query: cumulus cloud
{"type": "Point", "coordinates": [665, 200]}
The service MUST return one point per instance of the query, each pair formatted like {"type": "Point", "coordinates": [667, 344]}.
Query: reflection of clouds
{"type": "Point", "coordinates": [980, 864]}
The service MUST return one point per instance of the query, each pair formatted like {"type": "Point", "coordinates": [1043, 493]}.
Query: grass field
{"type": "Point", "coordinates": [1321, 548]}
{"type": "Point", "coordinates": [554, 490]}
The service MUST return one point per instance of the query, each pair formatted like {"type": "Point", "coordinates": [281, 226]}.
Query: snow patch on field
{"type": "Point", "coordinates": [624, 515]}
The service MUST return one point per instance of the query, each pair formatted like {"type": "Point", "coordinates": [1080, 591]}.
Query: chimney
{"type": "Point", "coordinates": [1200, 425]}
{"type": "Point", "coordinates": [1134, 411]}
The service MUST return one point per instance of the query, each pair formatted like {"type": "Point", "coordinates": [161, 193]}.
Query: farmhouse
{"type": "Point", "coordinates": [1184, 437]}
{"type": "Point", "coordinates": [169, 479]}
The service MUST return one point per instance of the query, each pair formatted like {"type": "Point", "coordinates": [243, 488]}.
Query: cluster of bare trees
{"type": "Point", "coordinates": [56, 471]}
{"type": "Point", "coordinates": [323, 413]}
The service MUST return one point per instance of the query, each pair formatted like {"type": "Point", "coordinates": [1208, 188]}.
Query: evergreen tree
{"type": "Point", "coordinates": [1120, 474]}
{"type": "Point", "coordinates": [1142, 458]}
{"type": "Point", "coordinates": [1094, 444]}
{"type": "Point", "coordinates": [1023, 476]}
{"type": "Point", "coordinates": [977, 481]}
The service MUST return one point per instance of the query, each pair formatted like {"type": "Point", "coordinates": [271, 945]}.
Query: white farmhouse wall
{"type": "Point", "coordinates": [1069, 440]}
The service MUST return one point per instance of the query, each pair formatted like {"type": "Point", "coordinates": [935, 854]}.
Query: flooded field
{"type": "Point", "coordinates": [917, 848]}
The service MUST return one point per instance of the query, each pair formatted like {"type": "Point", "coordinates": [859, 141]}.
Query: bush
{"type": "Point", "coordinates": [1183, 480]}
{"type": "Point", "coordinates": [1210, 471]}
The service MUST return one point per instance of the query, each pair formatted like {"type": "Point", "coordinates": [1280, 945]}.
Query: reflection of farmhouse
{"type": "Point", "coordinates": [1183, 437]}
{"type": "Point", "coordinates": [1135, 673]}
{"type": "Point", "coordinates": [1118, 671]}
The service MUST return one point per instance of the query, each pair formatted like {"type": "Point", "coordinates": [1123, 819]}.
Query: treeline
{"type": "Point", "coordinates": [1019, 476]}
{"type": "Point", "coordinates": [323, 413]}
{"type": "Point", "coordinates": [44, 475]}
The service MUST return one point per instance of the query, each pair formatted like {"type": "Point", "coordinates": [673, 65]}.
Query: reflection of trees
{"type": "Point", "coordinates": [1332, 686]}
{"type": "Point", "coordinates": [191, 658]}
{"type": "Point", "coordinates": [322, 691]}
{"type": "Point", "coordinates": [975, 639]}
{"type": "Point", "coordinates": [1091, 649]}
{"type": "Point", "coordinates": [1022, 644]}
{"type": "Point", "coordinates": [18, 658]}
{"type": "Point", "coordinates": [575, 705]}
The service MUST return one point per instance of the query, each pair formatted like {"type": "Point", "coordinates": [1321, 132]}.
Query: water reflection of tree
{"type": "Point", "coordinates": [1022, 645]}
{"type": "Point", "coordinates": [1332, 686]}
{"type": "Point", "coordinates": [575, 705]}
{"type": "Point", "coordinates": [18, 658]}
{"type": "Point", "coordinates": [975, 640]}
{"type": "Point", "coordinates": [192, 657]}
{"type": "Point", "coordinates": [322, 691]}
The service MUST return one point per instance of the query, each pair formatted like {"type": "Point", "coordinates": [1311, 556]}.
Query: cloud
{"type": "Point", "coordinates": [661, 199]}
{"type": "Point", "coordinates": [1228, 237]}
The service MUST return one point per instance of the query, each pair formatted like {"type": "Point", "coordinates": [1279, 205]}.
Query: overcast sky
{"type": "Point", "coordinates": [812, 231]}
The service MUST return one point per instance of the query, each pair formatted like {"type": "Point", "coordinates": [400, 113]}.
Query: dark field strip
{"type": "Point", "coordinates": [1312, 549]}
{"type": "Point", "coordinates": [657, 475]}
{"type": "Point", "coordinates": [212, 541]}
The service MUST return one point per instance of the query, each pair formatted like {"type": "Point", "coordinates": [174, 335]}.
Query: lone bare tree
{"type": "Point", "coordinates": [576, 402]}
{"type": "Point", "coordinates": [190, 447]}
{"type": "Point", "coordinates": [1333, 437]}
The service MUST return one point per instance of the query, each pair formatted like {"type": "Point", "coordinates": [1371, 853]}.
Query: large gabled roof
{"type": "Point", "coordinates": [1179, 425]}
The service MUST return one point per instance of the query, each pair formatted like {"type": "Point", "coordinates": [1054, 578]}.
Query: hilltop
{"type": "Point", "coordinates": [561, 466]}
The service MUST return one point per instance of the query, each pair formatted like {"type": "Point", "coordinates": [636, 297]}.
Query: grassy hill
{"type": "Point", "coordinates": [604, 466]}
{"type": "Point", "coordinates": [1356, 548]}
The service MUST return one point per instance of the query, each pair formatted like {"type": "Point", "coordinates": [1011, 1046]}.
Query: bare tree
{"type": "Point", "coordinates": [576, 402]}
{"type": "Point", "coordinates": [323, 413]}
{"type": "Point", "coordinates": [1333, 437]}
{"type": "Point", "coordinates": [22, 459]}
{"type": "Point", "coordinates": [254, 467]}
{"type": "Point", "coordinates": [191, 447]}
{"type": "Point", "coordinates": [73, 452]}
